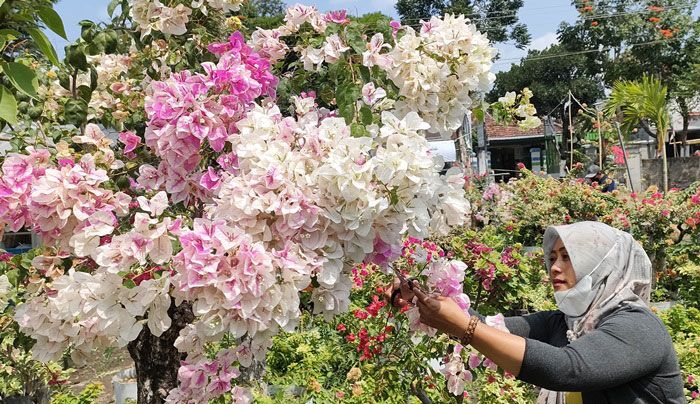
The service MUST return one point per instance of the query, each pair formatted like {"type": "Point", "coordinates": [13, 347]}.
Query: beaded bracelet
{"type": "Point", "coordinates": [469, 334]}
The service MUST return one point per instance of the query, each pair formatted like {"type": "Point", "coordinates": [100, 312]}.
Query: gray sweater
{"type": "Point", "coordinates": [628, 358]}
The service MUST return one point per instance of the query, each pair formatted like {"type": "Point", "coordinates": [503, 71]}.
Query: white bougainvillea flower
{"type": "Point", "coordinates": [156, 205]}
{"type": "Point", "coordinates": [5, 287]}
{"type": "Point", "coordinates": [372, 56]}
{"type": "Point", "coordinates": [333, 48]}
{"type": "Point", "coordinates": [371, 94]}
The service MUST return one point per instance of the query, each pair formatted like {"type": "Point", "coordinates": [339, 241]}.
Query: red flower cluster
{"type": "Point", "coordinates": [655, 200]}
{"type": "Point", "coordinates": [412, 245]}
{"type": "Point", "coordinates": [361, 272]}
{"type": "Point", "coordinates": [694, 220]}
{"type": "Point", "coordinates": [508, 259]}
{"type": "Point", "coordinates": [368, 344]}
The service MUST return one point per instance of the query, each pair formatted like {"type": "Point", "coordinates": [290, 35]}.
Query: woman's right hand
{"type": "Point", "coordinates": [403, 298]}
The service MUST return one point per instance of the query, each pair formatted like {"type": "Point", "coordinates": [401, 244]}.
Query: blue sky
{"type": "Point", "coordinates": [541, 16]}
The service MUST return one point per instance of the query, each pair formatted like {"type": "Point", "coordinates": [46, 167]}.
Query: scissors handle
{"type": "Point", "coordinates": [408, 282]}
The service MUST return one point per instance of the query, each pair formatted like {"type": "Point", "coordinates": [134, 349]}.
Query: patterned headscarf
{"type": "Point", "coordinates": [622, 277]}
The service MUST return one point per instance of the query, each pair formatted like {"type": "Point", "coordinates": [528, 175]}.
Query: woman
{"type": "Point", "coordinates": [603, 344]}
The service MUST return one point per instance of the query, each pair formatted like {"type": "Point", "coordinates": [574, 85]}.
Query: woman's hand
{"type": "Point", "coordinates": [403, 297]}
{"type": "Point", "coordinates": [441, 312]}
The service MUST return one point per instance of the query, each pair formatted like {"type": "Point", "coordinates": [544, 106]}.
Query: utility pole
{"type": "Point", "coordinates": [600, 139]}
{"type": "Point", "coordinates": [482, 148]}
{"type": "Point", "coordinates": [465, 144]}
{"type": "Point", "coordinates": [571, 133]}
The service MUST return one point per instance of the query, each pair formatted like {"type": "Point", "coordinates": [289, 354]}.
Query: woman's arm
{"type": "Point", "coordinates": [625, 347]}
{"type": "Point", "coordinates": [541, 326]}
{"type": "Point", "coordinates": [504, 349]}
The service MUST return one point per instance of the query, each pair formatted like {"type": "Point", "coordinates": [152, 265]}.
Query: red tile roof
{"type": "Point", "coordinates": [497, 131]}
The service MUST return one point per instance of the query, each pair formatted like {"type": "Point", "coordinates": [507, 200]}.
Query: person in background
{"type": "Point", "coordinates": [603, 345]}
{"type": "Point", "coordinates": [595, 174]}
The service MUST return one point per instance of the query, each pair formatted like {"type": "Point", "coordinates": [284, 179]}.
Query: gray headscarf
{"type": "Point", "coordinates": [622, 277]}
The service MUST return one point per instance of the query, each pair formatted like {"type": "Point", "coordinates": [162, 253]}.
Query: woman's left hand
{"type": "Point", "coordinates": [441, 313]}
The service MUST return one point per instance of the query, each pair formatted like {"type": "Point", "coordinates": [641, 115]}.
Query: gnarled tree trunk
{"type": "Point", "coordinates": [156, 358]}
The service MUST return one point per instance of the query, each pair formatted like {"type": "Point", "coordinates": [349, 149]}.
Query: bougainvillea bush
{"type": "Point", "coordinates": [524, 207]}
{"type": "Point", "coordinates": [377, 352]}
{"type": "Point", "coordinates": [181, 202]}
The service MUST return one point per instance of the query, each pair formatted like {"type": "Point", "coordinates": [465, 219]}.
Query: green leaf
{"type": "Point", "coordinates": [42, 42]}
{"type": "Point", "coordinates": [478, 114]}
{"type": "Point", "coordinates": [346, 97]}
{"type": "Point", "coordinates": [13, 277]}
{"type": "Point", "coordinates": [10, 34]}
{"type": "Point", "coordinates": [52, 20]}
{"type": "Point", "coordinates": [365, 74]}
{"type": "Point", "coordinates": [357, 130]}
{"type": "Point", "coordinates": [366, 115]}
{"type": "Point", "coordinates": [7, 35]}
{"type": "Point", "coordinates": [76, 111]}
{"type": "Point", "coordinates": [93, 78]}
{"type": "Point", "coordinates": [64, 80]}
{"type": "Point", "coordinates": [87, 30]}
{"type": "Point", "coordinates": [85, 92]}
{"type": "Point", "coordinates": [347, 111]}
{"type": "Point", "coordinates": [8, 106]}
{"type": "Point", "coordinates": [112, 6]}
{"type": "Point", "coordinates": [22, 77]}
{"type": "Point", "coordinates": [111, 41]}
{"type": "Point", "coordinates": [75, 56]}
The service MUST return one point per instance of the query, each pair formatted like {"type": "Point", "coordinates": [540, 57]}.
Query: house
{"type": "Point", "coordinates": [509, 145]}
{"type": "Point", "coordinates": [693, 140]}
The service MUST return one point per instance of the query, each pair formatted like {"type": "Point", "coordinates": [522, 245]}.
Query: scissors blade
{"type": "Point", "coordinates": [405, 280]}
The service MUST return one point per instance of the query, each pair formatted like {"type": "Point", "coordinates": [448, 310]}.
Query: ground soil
{"type": "Point", "coordinates": [101, 367]}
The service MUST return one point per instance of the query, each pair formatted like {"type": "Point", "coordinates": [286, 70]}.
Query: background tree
{"type": "Point", "coordinates": [640, 100]}
{"type": "Point", "coordinates": [550, 77]}
{"type": "Point", "coordinates": [21, 35]}
{"type": "Point", "coordinates": [262, 13]}
{"type": "Point", "coordinates": [654, 37]}
{"type": "Point", "coordinates": [498, 18]}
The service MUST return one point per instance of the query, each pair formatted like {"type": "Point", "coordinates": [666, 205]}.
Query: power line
{"type": "Point", "coordinates": [515, 14]}
{"type": "Point", "coordinates": [544, 57]}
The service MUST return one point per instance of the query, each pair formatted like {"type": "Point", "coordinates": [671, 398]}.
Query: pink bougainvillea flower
{"type": "Point", "coordinates": [131, 142]}
{"type": "Point", "coordinates": [338, 17]}
{"type": "Point", "coordinates": [395, 27]}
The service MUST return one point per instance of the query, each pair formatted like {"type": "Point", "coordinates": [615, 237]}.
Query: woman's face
{"type": "Point", "coordinates": [561, 271]}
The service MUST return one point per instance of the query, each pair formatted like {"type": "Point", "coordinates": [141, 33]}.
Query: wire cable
{"type": "Point", "coordinates": [515, 14]}
{"type": "Point", "coordinates": [545, 57]}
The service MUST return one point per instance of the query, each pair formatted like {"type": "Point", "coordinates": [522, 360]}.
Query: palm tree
{"type": "Point", "coordinates": [640, 101]}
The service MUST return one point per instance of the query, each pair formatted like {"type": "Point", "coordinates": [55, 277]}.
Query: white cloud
{"type": "Point", "coordinates": [541, 42]}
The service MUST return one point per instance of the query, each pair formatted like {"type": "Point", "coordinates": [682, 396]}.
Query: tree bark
{"type": "Point", "coordinates": [156, 359]}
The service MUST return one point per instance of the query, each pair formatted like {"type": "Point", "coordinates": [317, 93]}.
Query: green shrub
{"type": "Point", "coordinates": [89, 395]}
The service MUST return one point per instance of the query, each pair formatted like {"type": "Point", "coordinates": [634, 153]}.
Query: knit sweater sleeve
{"type": "Point", "coordinates": [626, 346]}
{"type": "Point", "coordinates": [539, 326]}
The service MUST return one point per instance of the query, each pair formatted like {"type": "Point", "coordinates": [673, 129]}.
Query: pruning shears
{"type": "Point", "coordinates": [403, 279]}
